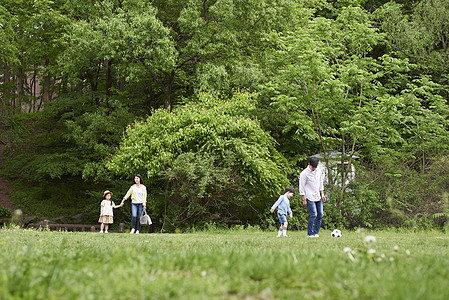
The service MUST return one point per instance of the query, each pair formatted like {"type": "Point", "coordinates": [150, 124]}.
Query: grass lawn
{"type": "Point", "coordinates": [222, 265]}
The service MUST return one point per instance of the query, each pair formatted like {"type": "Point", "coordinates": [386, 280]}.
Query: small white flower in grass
{"type": "Point", "coordinates": [392, 259]}
{"type": "Point", "coordinates": [396, 248]}
{"type": "Point", "coordinates": [407, 252]}
{"type": "Point", "coordinates": [351, 257]}
{"type": "Point", "coordinates": [378, 259]}
{"type": "Point", "coordinates": [203, 273]}
{"type": "Point", "coordinates": [369, 239]}
{"type": "Point", "coordinates": [371, 251]}
{"type": "Point", "coordinates": [349, 252]}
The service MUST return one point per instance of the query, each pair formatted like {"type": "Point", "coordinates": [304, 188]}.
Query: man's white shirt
{"type": "Point", "coordinates": [311, 183]}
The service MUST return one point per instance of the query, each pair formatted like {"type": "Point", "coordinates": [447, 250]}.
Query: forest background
{"type": "Point", "coordinates": [219, 104]}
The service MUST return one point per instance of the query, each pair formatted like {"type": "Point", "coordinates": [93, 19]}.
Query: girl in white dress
{"type": "Point", "coordinates": [106, 213]}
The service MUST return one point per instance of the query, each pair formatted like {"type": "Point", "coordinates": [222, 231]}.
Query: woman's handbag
{"type": "Point", "coordinates": [145, 219]}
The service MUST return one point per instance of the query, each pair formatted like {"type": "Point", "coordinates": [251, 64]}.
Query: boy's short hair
{"type": "Point", "coordinates": [290, 189]}
{"type": "Point", "coordinates": [313, 161]}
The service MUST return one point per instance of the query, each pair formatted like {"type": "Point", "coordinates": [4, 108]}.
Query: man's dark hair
{"type": "Point", "coordinates": [313, 161]}
{"type": "Point", "coordinates": [290, 189]}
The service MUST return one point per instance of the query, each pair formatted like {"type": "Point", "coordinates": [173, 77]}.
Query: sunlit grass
{"type": "Point", "coordinates": [222, 265]}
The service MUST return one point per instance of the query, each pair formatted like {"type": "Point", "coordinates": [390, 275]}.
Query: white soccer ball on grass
{"type": "Point", "coordinates": [336, 233]}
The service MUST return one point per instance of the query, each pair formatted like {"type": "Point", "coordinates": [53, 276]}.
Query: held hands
{"type": "Point", "coordinates": [291, 215]}
{"type": "Point", "coordinates": [271, 210]}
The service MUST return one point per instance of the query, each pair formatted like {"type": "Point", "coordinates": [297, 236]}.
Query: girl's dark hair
{"type": "Point", "coordinates": [104, 197]}
{"type": "Point", "coordinates": [140, 177]}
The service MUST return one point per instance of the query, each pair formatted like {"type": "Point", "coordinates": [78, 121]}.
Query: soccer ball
{"type": "Point", "coordinates": [336, 233]}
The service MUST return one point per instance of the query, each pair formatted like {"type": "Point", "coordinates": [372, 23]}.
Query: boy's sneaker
{"type": "Point", "coordinates": [132, 231]}
{"type": "Point", "coordinates": [137, 232]}
{"type": "Point", "coordinates": [316, 235]}
{"type": "Point", "coordinates": [311, 236]}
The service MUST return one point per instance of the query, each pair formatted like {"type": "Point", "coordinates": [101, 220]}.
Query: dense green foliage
{"type": "Point", "coordinates": [222, 265]}
{"type": "Point", "coordinates": [5, 213]}
{"type": "Point", "coordinates": [208, 159]}
{"type": "Point", "coordinates": [219, 103]}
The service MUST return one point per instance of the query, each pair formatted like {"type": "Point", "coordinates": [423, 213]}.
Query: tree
{"type": "Point", "coordinates": [421, 34]}
{"type": "Point", "coordinates": [176, 46]}
{"type": "Point", "coordinates": [30, 30]}
{"type": "Point", "coordinates": [339, 96]}
{"type": "Point", "coordinates": [209, 160]}
{"type": "Point", "coordinates": [8, 48]}
{"type": "Point", "coordinates": [115, 41]}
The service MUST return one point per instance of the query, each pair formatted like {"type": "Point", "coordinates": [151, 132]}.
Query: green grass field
{"type": "Point", "coordinates": [222, 265]}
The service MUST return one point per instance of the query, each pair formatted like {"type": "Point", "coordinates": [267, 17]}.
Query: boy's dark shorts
{"type": "Point", "coordinates": [282, 218]}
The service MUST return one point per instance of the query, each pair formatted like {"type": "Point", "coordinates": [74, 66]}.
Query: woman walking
{"type": "Point", "coordinates": [138, 193]}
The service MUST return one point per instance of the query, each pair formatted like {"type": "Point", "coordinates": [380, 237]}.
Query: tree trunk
{"type": "Point", "coordinates": [4, 104]}
{"type": "Point", "coordinates": [122, 82]}
{"type": "Point", "coordinates": [19, 89]}
{"type": "Point", "coordinates": [109, 81]}
{"type": "Point", "coordinates": [46, 92]}
{"type": "Point", "coordinates": [168, 89]}
{"type": "Point", "coordinates": [33, 87]}
{"type": "Point", "coordinates": [167, 86]}
{"type": "Point", "coordinates": [79, 85]}
{"type": "Point", "coordinates": [108, 71]}
{"type": "Point", "coordinates": [343, 171]}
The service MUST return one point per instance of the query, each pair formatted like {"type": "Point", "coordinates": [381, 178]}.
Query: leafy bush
{"type": "Point", "coordinates": [206, 161]}
{"type": "Point", "coordinates": [5, 213]}
{"type": "Point", "coordinates": [399, 196]}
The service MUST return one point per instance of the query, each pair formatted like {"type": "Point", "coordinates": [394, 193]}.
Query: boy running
{"type": "Point", "coordinates": [283, 205]}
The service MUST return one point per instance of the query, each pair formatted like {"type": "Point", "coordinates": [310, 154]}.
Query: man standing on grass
{"type": "Point", "coordinates": [310, 188]}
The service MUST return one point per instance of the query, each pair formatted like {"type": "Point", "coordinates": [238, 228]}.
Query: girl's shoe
{"type": "Point", "coordinates": [106, 231]}
{"type": "Point", "coordinates": [101, 231]}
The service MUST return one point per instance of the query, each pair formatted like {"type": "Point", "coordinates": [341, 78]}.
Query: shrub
{"type": "Point", "coordinates": [5, 213]}
{"type": "Point", "coordinates": [206, 161]}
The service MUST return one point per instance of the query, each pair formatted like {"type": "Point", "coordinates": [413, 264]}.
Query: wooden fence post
{"type": "Point", "coordinates": [92, 228]}
{"type": "Point", "coordinates": [122, 228]}
{"type": "Point", "coordinates": [45, 225]}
